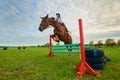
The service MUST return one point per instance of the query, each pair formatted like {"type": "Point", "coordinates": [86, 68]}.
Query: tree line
{"type": "Point", "coordinates": [107, 42]}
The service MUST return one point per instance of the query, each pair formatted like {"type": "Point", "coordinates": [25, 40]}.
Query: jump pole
{"type": "Point", "coordinates": [83, 67]}
{"type": "Point", "coordinates": [50, 53]}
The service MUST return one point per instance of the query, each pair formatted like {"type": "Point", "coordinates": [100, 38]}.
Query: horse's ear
{"type": "Point", "coordinates": [41, 17]}
{"type": "Point", "coordinates": [47, 16]}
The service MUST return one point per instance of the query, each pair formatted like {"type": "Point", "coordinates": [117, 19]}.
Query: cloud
{"type": "Point", "coordinates": [19, 19]}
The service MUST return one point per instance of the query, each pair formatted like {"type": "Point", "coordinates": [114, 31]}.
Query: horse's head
{"type": "Point", "coordinates": [44, 23]}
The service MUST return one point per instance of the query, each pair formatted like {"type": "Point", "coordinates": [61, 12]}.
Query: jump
{"type": "Point", "coordinates": [83, 66]}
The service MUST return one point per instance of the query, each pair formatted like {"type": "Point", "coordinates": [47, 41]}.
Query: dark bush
{"type": "Point", "coordinates": [24, 47]}
{"type": "Point", "coordinates": [4, 48]}
{"type": "Point", "coordinates": [19, 47]}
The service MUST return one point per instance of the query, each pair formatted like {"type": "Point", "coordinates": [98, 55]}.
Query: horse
{"type": "Point", "coordinates": [59, 30]}
{"type": "Point", "coordinates": [98, 45]}
{"type": "Point", "coordinates": [111, 44]}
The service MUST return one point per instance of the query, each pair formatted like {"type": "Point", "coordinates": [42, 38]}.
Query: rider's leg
{"type": "Point", "coordinates": [64, 26]}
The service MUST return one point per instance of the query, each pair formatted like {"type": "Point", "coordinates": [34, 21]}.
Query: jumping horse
{"type": "Point", "coordinates": [59, 29]}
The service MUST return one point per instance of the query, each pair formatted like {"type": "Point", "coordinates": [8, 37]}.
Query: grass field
{"type": "Point", "coordinates": [32, 64]}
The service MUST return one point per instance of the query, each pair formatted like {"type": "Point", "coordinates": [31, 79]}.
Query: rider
{"type": "Point", "coordinates": [59, 20]}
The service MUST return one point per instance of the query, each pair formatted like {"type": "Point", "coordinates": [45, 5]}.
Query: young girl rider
{"type": "Point", "coordinates": [59, 20]}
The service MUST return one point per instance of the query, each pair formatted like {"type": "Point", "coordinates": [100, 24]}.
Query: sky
{"type": "Point", "coordinates": [20, 19]}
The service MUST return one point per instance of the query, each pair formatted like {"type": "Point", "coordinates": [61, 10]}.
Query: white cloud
{"type": "Point", "coordinates": [99, 17]}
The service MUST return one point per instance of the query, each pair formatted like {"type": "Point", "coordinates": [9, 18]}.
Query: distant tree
{"type": "Point", "coordinates": [24, 47]}
{"type": "Point", "coordinates": [38, 45]}
{"type": "Point", "coordinates": [118, 42]}
{"type": "Point", "coordinates": [46, 45]}
{"type": "Point", "coordinates": [100, 42]}
{"type": "Point", "coordinates": [109, 41]}
{"type": "Point", "coordinates": [19, 47]}
{"type": "Point", "coordinates": [91, 43]}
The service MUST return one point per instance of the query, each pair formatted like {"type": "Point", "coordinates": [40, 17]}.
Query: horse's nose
{"type": "Point", "coordinates": [40, 29]}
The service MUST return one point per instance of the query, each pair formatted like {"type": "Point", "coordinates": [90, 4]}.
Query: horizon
{"type": "Point", "coordinates": [54, 43]}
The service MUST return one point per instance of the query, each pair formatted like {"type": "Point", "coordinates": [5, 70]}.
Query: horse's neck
{"type": "Point", "coordinates": [54, 24]}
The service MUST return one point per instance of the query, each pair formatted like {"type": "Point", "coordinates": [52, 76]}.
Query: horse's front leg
{"type": "Point", "coordinates": [55, 37]}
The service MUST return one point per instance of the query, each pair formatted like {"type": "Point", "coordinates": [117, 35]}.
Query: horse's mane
{"type": "Point", "coordinates": [53, 18]}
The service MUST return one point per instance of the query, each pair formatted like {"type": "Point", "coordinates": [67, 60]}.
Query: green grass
{"type": "Point", "coordinates": [33, 64]}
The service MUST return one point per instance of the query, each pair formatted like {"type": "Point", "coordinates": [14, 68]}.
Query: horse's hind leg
{"type": "Point", "coordinates": [69, 50]}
